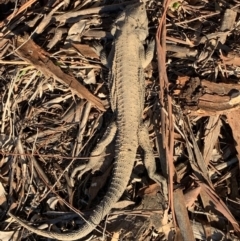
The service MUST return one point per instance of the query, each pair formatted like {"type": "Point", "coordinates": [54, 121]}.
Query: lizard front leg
{"type": "Point", "coordinates": [147, 56]}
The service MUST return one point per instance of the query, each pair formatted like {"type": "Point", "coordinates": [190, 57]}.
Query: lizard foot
{"type": "Point", "coordinates": [149, 161]}
{"type": "Point", "coordinates": [99, 50]}
{"type": "Point", "coordinates": [97, 156]}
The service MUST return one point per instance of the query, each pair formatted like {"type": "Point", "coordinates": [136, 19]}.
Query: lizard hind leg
{"type": "Point", "coordinates": [97, 155]}
{"type": "Point", "coordinates": [149, 160]}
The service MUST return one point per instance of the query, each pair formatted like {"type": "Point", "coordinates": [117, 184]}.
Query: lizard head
{"type": "Point", "coordinates": [135, 18]}
{"type": "Point", "coordinates": [136, 15]}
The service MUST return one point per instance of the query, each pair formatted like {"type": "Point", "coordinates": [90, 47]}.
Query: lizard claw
{"type": "Point", "coordinates": [99, 50]}
{"type": "Point", "coordinates": [149, 53]}
{"type": "Point", "coordinates": [82, 169]}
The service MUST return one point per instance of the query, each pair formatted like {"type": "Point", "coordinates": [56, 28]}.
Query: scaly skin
{"type": "Point", "coordinates": [127, 100]}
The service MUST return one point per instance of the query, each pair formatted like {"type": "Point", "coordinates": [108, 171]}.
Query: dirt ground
{"type": "Point", "coordinates": [54, 109]}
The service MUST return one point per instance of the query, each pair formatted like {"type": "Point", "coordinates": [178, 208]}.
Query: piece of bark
{"type": "Point", "coordinates": [217, 103]}
{"type": "Point", "coordinates": [29, 51]}
{"type": "Point", "coordinates": [218, 88]}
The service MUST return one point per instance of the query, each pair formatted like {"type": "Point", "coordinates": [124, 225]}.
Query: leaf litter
{"type": "Point", "coordinates": [54, 110]}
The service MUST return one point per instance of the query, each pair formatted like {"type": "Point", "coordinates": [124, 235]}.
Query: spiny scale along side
{"type": "Point", "coordinates": [127, 100]}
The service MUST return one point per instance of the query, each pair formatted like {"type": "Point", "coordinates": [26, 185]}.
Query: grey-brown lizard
{"type": "Point", "coordinates": [127, 87]}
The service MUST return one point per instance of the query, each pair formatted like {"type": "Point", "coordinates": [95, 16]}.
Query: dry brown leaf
{"type": "Point", "coordinates": [85, 50]}
{"type": "Point", "coordinates": [231, 59]}
{"type": "Point", "coordinates": [219, 205]}
{"type": "Point", "coordinates": [191, 196]}
{"type": "Point", "coordinates": [152, 189]}
{"type": "Point", "coordinates": [233, 120]}
{"type": "Point", "coordinates": [212, 131]}
{"type": "Point", "coordinates": [3, 198]}
{"type": "Point", "coordinates": [9, 235]}
{"type": "Point", "coordinates": [123, 204]}
{"type": "Point", "coordinates": [182, 215]}
{"type": "Point", "coordinates": [15, 13]}
{"type": "Point", "coordinates": [115, 236]}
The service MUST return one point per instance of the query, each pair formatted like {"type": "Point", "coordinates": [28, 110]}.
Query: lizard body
{"type": "Point", "coordinates": [127, 87]}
